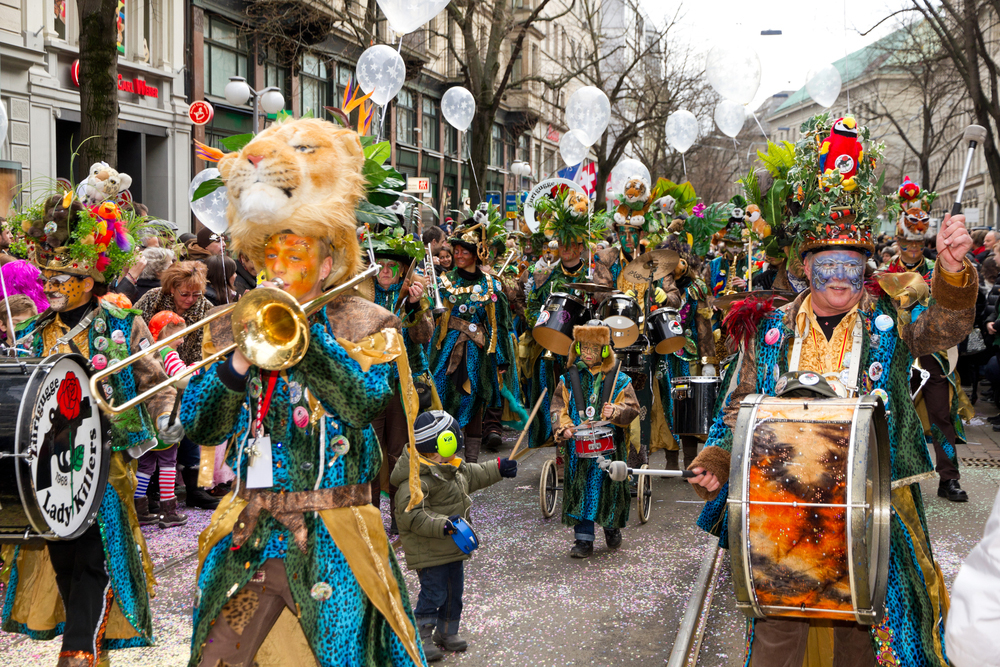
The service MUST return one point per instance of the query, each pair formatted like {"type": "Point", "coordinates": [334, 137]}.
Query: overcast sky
{"type": "Point", "coordinates": [814, 34]}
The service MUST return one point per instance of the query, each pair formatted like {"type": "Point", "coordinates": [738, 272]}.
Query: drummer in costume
{"type": "Point", "coordinates": [299, 534]}
{"type": "Point", "coordinates": [939, 397]}
{"type": "Point", "coordinates": [862, 341]}
{"type": "Point", "coordinates": [593, 389]}
{"type": "Point", "coordinates": [563, 220]}
{"type": "Point", "coordinates": [402, 292]}
{"type": "Point", "coordinates": [471, 349]}
{"type": "Point", "coordinates": [103, 579]}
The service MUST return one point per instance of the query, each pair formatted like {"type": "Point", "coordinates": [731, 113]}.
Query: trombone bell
{"type": "Point", "coordinates": [270, 328]}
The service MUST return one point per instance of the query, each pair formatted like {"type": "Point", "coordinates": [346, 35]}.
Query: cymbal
{"type": "Point", "coordinates": [590, 288]}
{"type": "Point", "coordinates": [780, 297]}
{"type": "Point", "coordinates": [660, 263]}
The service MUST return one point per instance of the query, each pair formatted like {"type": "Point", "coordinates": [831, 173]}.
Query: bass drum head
{"type": "Point", "coordinates": [624, 332]}
{"type": "Point", "coordinates": [665, 331]}
{"type": "Point", "coordinates": [60, 422]}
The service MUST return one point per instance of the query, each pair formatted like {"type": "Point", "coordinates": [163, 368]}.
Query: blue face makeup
{"type": "Point", "coordinates": [844, 267]}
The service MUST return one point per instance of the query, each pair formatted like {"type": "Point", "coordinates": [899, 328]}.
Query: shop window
{"type": "Point", "coordinates": [450, 140]}
{"type": "Point", "coordinates": [524, 148]}
{"type": "Point", "coordinates": [278, 76]}
{"type": "Point", "coordinates": [429, 125]}
{"type": "Point", "coordinates": [314, 83]}
{"type": "Point", "coordinates": [406, 117]}
{"type": "Point", "coordinates": [225, 55]}
{"type": "Point", "coordinates": [60, 11]}
{"type": "Point", "coordinates": [496, 146]}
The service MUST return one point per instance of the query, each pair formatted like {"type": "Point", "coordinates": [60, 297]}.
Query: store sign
{"type": "Point", "coordinates": [201, 112]}
{"type": "Point", "coordinates": [418, 184]}
{"type": "Point", "coordinates": [553, 134]}
{"type": "Point", "coordinates": [134, 86]}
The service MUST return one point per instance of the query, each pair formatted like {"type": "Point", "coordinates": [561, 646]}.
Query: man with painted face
{"type": "Point", "coordinates": [933, 381]}
{"type": "Point", "coordinates": [594, 388]}
{"type": "Point", "coordinates": [299, 532]}
{"type": "Point", "coordinates": [104, 577]}
{"type": "Point", "coordinates": [861, 341]}
{"type": "Point", "coordinates": [471, 350]}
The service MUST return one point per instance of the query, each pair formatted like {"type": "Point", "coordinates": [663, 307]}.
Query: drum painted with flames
{"type": "Point", "coordinates": [809, 508]}
{"type": "Point", "coordinates": [590, 443]}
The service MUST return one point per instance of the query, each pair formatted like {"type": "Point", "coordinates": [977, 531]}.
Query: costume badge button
{"type": "Point", "coordinates": [256, 387]}
{"type": "Point", "coordinates": [300, 416]}
{"type": "Point", "coordinates": [453, 298]}
{"type": "Point", "coordinates": [809, 379]}
{"type": "Point", "coordinates": [101, 343]}
{"type": "Point", "coordinates": [118, 336]}
{"type": "Point", "coordinates": [772, 336]}
{"type": "Point", "coordinates": [294, 392]}
{"type": "Point", "coordinates": [463, 308]}
{"type": "Point", "coordinates": [883, 394]}
{"type": "Point", "coordinates": [883, 322]}
{"type": "Point", "coordinates": [99, 362]}
{"type": "Point", "coordinates": [875, 339]}
{"type": "Point", "coordinates": [875, 371]}
{"type": "Point", "coordinates": [321, 591]}
{"type": "Point", "coordinates": [100, 326]}
{"type": "Point", "coordinates": [473, 328]}
{"type": "Point", "coordinates": [476, 289]}
{"type": "Point", "coordinates": [591, 412]}
{"type": "Point", "coordinates": [845, 375]}
{"type": "Point", "coordinates": [341, 445]}
{"type": "Point", "coordinates": [781, 384]}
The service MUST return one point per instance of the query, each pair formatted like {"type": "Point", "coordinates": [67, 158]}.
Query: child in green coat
{"type": "Point", "coordinates": [427, 530]}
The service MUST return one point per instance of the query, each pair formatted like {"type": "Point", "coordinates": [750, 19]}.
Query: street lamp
{"type": "Point", "coordinates": [238, 92]}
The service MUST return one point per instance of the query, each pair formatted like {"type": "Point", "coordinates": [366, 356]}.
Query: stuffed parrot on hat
{"type": "Point", "coordinates": [841, 152]}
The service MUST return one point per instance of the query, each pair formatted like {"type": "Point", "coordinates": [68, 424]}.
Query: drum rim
{"type": "Point", "coordinates": [27, 487]}
{"type": "Point", "coordinates": [567, 296]}
{"type": "Point", "coordinates": [695, 379]}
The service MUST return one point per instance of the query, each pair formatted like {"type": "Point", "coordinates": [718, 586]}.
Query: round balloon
{"type": "Point", "coordinates": [733, 70]}
{"type": "Point", "coordinates": [458, 106]}
{"type": "Point", "coordinates": [405, 16]}
{"type": "Point", "coordinates": [626, 169]}
{"type": "Point", "coordinates": [589, 111]}
{"type": "Point", "coordinates": [573, 147]}
{"type": "Point", "coordinates": [210, 209]}
{"type": "Point", "coordinates": [823, 85]}
{"type": "Point", "coordinates": [682, 130]}
{"type": "Point", "coordinates": [381, 69]}
{"type": "Point", "coordinates": [730, 116]}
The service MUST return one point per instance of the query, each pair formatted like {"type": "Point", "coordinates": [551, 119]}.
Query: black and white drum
{"type": "Point", "coordinates": [664, 330]}
{"type": "Point", "coordinates": [554, 326]}
{"type": "Point", "coordinates": [622, 314]}
{"type": "Point", "coordinates": [54, 459]}
{"type": "Point", "coordinates": [694, 404]}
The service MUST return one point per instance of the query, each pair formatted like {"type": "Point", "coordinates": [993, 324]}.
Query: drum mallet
{"type": "Point", "coordinates": [619, 471]}
{"type": "Point", "coordinates": [975, 135]}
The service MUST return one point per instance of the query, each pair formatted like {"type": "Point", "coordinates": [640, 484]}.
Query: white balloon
{"type": "Point", "coordinates": [458, 106]}
{"type": "Point", "coordinates": [682, 130]}
{"type": "Point", "coordinates": [626, 169]}
{"type": "Point", "coordinates": [734, 72]}
{"type": "Point", "coordinates": [405, 16]}
{"type": "Point", "coordinates": [573, 147]}
{"type": "Point", "coordinates": [823, 85]}
{"type": "Point", "coordinates": [589, 110]}
{"type": "Point", "coordinates": [211, 209]}
{"type": "Point", "coordinates": [730, 116]}
{"type": "Point", "coordinates": [382, 70]}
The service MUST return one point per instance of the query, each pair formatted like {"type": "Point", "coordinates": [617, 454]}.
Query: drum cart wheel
{"type": "Point", "coordinates": [548, 489]}
{"type": "Point", "coordinates": [644, 496]}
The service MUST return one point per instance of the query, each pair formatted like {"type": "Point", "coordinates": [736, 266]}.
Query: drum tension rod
{"type": "Point", "coordinates": [30, 454]}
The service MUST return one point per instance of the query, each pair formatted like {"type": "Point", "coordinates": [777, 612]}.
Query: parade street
{"type": "Point", "coordinates": [528, 603]}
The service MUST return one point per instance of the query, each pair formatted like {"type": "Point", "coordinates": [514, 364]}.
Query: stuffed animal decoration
{"type": "Point", "coordinates": [103, 183]}
{"type": "Point", "coordinates": [634, 203]}
{"type": "Point", "coordinates": [914, 219]}
{"type": "Point", "coordinates": [909, 190]}
{"type": "Point", "coordinates": [757, 222]}
{"type": "Point", "coordinates": [577, 205]}
{"type": "Point", "coordinates": [840, 153]}
{"type": "Point", "coordinates": [666, 206]}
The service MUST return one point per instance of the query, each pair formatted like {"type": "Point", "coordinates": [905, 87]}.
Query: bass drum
{"type": "Point", "coordinates": [54, 460]}
{"type": "Point", "coordinates": [694, 404]}
{"type": "Point", "coordinates": [809, 486]}
{"type": "Point", "coordinates": [554, 326]}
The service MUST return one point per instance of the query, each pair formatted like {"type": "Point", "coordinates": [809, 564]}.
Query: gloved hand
{"type": "Point", "coordinates": [170, 433]}
{"type": "Point", "coordinates": [507, 467]}
{"type": "Point", "coordinates": [449, 525]}
{"type": "Point", "coordinates": [630, 293]}
{"type": "Point", "coordinates": [708, 370]}
{"type": "Point", "coordinates": [659, 295]}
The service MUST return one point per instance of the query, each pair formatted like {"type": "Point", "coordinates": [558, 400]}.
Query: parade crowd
{"type": "Point", "coordinates": [657, 324]}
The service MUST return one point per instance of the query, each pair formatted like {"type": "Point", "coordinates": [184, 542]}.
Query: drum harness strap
{"type": "Point", "coordinates": [67, 338]}
{"type": "Point", "coordinates": [606, 389]}
{"type": "Point", "coordinates": [855, 363]}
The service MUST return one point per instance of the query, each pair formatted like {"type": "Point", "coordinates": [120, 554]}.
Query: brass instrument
{"type": "Point", "coordinates": [432, 274]}
{"type": "Point", "coordinates": [269, 326]}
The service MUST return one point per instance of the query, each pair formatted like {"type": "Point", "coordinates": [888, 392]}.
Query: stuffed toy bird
{"type": "Point", "coordinates": [841, 151]}
{"type": "Point", "coordinates": [909, 190]}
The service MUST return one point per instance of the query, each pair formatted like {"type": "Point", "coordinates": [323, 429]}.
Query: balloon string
{"type": "Point", "coordinates": [472, 168]}
{"type": "Point", "coordinates": [752, 113]}
{"type": "Point", "coordinates": [381, 124]}
{"type": "Point", "coordinates": [684, 162]}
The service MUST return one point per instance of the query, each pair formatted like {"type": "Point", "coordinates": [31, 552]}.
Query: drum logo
{"type": "Point", "coordinates": [65, 428]}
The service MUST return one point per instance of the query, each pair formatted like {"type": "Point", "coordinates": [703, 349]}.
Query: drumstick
{"type": "Point", "coordinates": [619, 471]}
{"type": "Point", "coordinates": [527, 425]}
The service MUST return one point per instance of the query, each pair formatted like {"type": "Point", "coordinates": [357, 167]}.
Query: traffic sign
{"type": "Point", "coordinates": [493, 197]}
{"type": "Point", "coordinates": [200, 112]}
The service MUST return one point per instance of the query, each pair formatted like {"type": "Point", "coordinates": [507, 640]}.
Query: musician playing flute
{"type": "Point", "coordinates": [594, 388]}
{"type": "Point", "coordinates": [103, 579]}
{"type": "Point", "coordinates": [862, 339]}
{"type": "Point", "coordinates": [298, 533]}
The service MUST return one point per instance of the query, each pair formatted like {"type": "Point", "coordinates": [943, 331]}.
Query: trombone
{"type": "Point", "coordinates": [269, 326]}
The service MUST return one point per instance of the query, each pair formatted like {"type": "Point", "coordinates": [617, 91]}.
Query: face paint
{"type": "Point", "coordinates": [297, 260]}
{"type": "Point", "coordinates": [839, 268]}
{"type": "Point", "coordinates": [64, 291]}
{"type": "Point", "coordinates": [389, 274]}
{"type": "Point", "coordinates": [464, 259]}
{"type": "Point", "coordinates": [590, 354]}
{"type": "Point", "coordinates": [911, 251]}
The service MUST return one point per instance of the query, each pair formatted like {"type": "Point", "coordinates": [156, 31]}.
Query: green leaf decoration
{"type": "Point", "coordinates": [371, 214]}
{"type": "Point", "coordinates": [378, 153]}
{"type": "Point", "coordinates": [778, 158]}
{"type": "Point", "coordinates": [683, 194]}
{"type": "Point", "coordinates": [207, 188]}
{"type": "Point", "coordinates": [236, 142]}
{"type": "Point", "coordinates": [284, 115]}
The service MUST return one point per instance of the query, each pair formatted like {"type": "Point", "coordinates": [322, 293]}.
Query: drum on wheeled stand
{"type": "Point", "coordinates": [54, 458]}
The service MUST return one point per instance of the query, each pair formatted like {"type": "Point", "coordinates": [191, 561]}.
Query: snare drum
{"type": "Point", "coordinates": [808, 502]}
{"type": "Point", "coordinates": [664, 330]}
{"type": "Point", "coordinates": [554, 326]}
{"type": "Point", "coordinates": [621, 313]}
{"type": "Point", "coordinates": [694, 404]}
{"type": "Point", "coordinates": [590, 443]}
{"type": "Point", "coordinates": [54, 458]}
